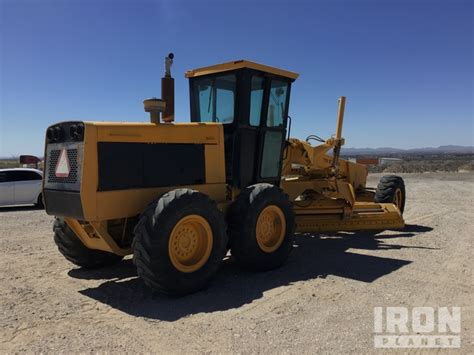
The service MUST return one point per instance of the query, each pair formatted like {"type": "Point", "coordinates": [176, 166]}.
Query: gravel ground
{"type": "Point", "coordinates": [322, 300]}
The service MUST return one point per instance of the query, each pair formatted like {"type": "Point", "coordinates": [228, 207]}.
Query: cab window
{"type": "Point", "coordinates": [215, 98]}
{"type": "Point", "coordinates": [256, 100]}
{"type": "Point", "coordinates": [277, 103]}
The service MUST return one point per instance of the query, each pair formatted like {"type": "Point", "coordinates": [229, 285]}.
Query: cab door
{"type": "Point", "coordinates": [272, 133]}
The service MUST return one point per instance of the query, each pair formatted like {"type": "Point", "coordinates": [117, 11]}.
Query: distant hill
{"type": "Point", "coordinates": [444, 149]}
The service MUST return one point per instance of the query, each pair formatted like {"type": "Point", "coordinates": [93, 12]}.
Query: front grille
{"type": "Point", "coordinates": [53, 161]}
{"type": "Point", "coordinates": [74, 152]}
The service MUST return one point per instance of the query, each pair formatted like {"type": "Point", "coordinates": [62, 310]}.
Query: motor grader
{"type": "Point", "coordinates": [179, 196]}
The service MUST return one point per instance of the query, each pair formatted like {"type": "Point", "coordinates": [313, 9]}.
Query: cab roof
{"type": "Point", "coordinates": [239, 64]}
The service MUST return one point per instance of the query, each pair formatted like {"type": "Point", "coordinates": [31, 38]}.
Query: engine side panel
{"type": "Point", "coordinates": [122, 167]}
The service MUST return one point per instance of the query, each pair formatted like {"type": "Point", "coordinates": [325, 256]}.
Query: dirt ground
{"type": "Point", "coordinates": [322, 300]}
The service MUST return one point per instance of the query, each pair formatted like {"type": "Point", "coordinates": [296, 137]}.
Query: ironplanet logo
{"type": "Point", "coordinates": [422, 327]}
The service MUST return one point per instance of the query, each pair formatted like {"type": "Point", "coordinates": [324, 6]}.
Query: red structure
{"type": "Point", "coordinates": [29, 160]}
{"type": "Point", "coordinates": [367, 161]}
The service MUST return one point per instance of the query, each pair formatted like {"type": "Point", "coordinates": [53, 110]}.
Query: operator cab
{"type": "Point", "coordinates": [251, 101]}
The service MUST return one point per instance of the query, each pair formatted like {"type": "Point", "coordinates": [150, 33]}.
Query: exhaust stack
{"type": "Point", "coordinates": [167, 90]}
{"type": "Point", "coordinates": [165, 105]}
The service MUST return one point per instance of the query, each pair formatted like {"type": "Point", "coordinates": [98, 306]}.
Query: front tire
{"type": "Point", "coordinates": [180, 241]}
{"type": "Point", "coordinates": [39, 202]}
{"type": "Point", "coordinates": [391, 189]}
{"type": "Point", "coordinates": [71, 247]}
{"type": "Point", "coordinates": [261, 227]}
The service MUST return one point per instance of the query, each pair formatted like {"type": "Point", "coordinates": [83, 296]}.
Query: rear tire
{"type": "Point", "coordinates": [180, 241]}
{"type": "Point", "coordinates": [391, 189]}
{"type": "Point", "coordinates": [261, 226]}
{"type": "Point", "coordinates": [71, 247]}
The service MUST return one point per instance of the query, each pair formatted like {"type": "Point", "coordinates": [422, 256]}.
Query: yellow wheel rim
{"type": "Point", "coordinates": [271, 228]}
{"type": "Point", "coordinates": [398, 198]}
{"type": "Point", "coordinates": [190, 243]}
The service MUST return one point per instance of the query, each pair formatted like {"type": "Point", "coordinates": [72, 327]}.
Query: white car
{"type": "Point", "coordinates": [21, 187]}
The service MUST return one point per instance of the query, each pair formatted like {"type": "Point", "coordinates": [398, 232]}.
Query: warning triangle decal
{"type": "Point", "coordinates": [62, 167]}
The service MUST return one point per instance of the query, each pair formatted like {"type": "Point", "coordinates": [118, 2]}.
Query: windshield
{"type": "Point", "coordinates": [215, 98]}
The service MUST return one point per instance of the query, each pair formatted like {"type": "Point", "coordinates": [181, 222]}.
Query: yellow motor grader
{"type": "Point", "coordinates": [179, 196]}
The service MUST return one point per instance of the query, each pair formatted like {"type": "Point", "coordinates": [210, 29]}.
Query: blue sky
{"type": "Point", "coordinates": [406, 67]}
